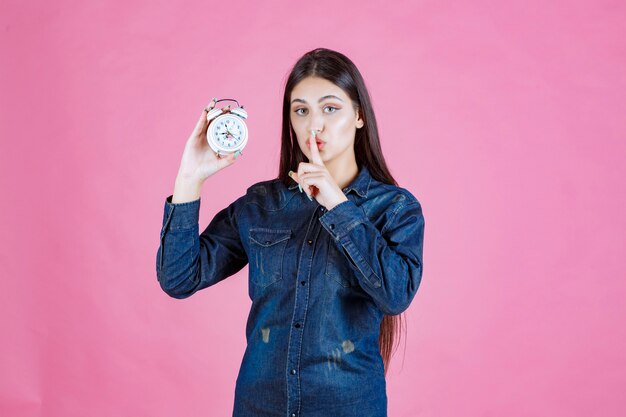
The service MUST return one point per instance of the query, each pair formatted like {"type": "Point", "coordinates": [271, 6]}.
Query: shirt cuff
{"type": "Point", "coordinates": [181, 215]}
{"type": "Point", "coordinates": [342, 218]}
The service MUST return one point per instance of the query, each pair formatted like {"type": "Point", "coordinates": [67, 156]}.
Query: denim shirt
{"type": "Point", "coordinates": [320, 282]}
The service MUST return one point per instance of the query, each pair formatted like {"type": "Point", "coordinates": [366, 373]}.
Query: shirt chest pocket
{"type": "Point", "coordinates": [267, 250]}
{"type": "Point", "coordinates": [338, 267]}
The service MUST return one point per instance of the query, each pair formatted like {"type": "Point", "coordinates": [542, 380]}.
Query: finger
{"type": "Point", "coordinates": [315, 153]}
{"type": "Point", "coordinates": [311, 176]}
{"type": "Point", "coordinates": [304, 167]}
{"type": "Point", "coordinates": [224, 161]}
{"type": "Point", "coordinates": [311, 181]}
{"type": "Point", "coordinates": [211, 104]}
{"type": "Point", "coordinates": [202, 123]}
{"type": "Point", "coordinates": [294, 176]}
{"type": "Point", "coordinates": [303, 187]}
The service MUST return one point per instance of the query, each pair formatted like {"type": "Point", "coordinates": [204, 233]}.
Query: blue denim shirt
{"type": "Point", "coordinates": [319, 280]}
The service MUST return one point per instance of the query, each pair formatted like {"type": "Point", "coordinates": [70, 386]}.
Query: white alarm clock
{"type": "Point", "coordinates": [227, 131]}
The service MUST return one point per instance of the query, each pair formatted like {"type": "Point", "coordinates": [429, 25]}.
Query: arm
{"type": "Point", "coordinates": [187, 262]}
{"type": "Point", "coordinates": [388, 263]}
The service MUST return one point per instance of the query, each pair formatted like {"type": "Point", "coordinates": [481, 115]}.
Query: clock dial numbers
{"type": "Point", "coordinates": [229, 132]}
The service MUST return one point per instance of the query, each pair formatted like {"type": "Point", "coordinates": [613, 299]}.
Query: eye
{"type": "Point", "coordinates": [297, 110]}
{"type": "Point", "coordinates": [331, 107]}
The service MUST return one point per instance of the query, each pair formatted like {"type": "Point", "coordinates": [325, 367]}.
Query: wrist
{"type": "Point", "coordinates": [186, 190]}
{"type": "Point", "coordinates": [336, 203]}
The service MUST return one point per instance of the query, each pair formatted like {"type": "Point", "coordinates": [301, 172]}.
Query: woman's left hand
{"type": "Point", "coordinates": [316, 181]}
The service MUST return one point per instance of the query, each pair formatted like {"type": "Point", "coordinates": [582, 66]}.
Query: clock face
{"type": "Point", "coordinates": [228, 132]}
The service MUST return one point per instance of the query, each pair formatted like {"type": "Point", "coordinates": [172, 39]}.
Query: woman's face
{"type": "Point", "coordinates": [317, 103]}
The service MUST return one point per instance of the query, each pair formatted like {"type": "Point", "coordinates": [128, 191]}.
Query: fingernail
{"type": "Point", "coordinates": [211, 104]}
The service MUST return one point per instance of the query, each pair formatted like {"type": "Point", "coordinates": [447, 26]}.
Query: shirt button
{"type": "Point", "coordinates": [293, 414]}
{"type": "Point", "coordinates": [293, 371]}
{"type": "Point", "coordinates": [297, 325]}
{"type": "Point", "coordinates": [310, 241]}
{"type": "Point", "coordinates": [302, 282]}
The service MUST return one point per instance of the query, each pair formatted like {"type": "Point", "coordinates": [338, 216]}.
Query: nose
{"type": "Point", "coordinates": [317, 132]}
{"type": "Point", "coordinates": [317, 123]}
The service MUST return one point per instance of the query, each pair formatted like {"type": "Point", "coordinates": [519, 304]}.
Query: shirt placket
{"type": "Point", "coordinates": [294, 349]}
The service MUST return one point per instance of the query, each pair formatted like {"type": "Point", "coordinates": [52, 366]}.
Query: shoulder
{"type": "Point", "coordinates": [387, 204]}
{"type": "Point", "coordinates": [263, 187]}
{"type": "Point", "coordinates": [393, 197]}
{"type": "Point", "coordinates": [270, 194]}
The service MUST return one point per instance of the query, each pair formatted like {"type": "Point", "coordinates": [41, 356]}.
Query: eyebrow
{"type": "Point", "coordinates": [299, 100]}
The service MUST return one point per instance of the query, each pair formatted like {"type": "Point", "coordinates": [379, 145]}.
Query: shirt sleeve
{"type": "Point", "coordinates": [388, 263]}
{"type": "Point", "coordinates": [187, 261]}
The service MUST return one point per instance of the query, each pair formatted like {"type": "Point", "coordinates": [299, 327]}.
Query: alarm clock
{"type": "Point", "coordinates": [227, 131]}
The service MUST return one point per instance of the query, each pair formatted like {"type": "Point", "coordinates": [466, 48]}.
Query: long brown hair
{"type": "Point", "coordinates": [340, 70]}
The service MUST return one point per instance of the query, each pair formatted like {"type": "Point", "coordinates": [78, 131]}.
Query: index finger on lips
{"type": "Point", "coordinates": [315, 153]}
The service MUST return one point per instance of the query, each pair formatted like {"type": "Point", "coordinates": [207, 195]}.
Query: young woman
{"type": "Point", "coordinates": [334, 249]}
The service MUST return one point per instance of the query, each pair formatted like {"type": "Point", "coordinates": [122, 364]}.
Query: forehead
{"type": "Point", "coordinates": [311, 89]}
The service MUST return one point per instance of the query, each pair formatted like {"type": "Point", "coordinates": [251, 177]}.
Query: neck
{"type": "Point", "coordinates": [343, 173]}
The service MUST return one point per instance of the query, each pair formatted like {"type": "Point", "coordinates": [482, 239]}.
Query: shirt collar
{"type": "Point", "coordinates": [360, 184]}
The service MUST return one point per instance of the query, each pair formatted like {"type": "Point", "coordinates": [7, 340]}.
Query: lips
{"type": "Point", "coordinates": [320, 143]}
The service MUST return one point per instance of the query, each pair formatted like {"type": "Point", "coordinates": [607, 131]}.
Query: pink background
{"type": "Point", "coordinates": [505, 119]}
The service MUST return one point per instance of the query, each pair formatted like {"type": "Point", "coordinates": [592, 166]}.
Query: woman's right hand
{"type": "Point", "coordinates": [199, 161]}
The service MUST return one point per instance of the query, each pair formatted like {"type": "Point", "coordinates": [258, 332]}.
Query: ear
{"type": "Point", "coordinates": [359, 120]}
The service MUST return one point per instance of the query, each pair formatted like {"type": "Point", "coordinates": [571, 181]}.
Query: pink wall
{"type": "Point", "coordinates": [506, 120]}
